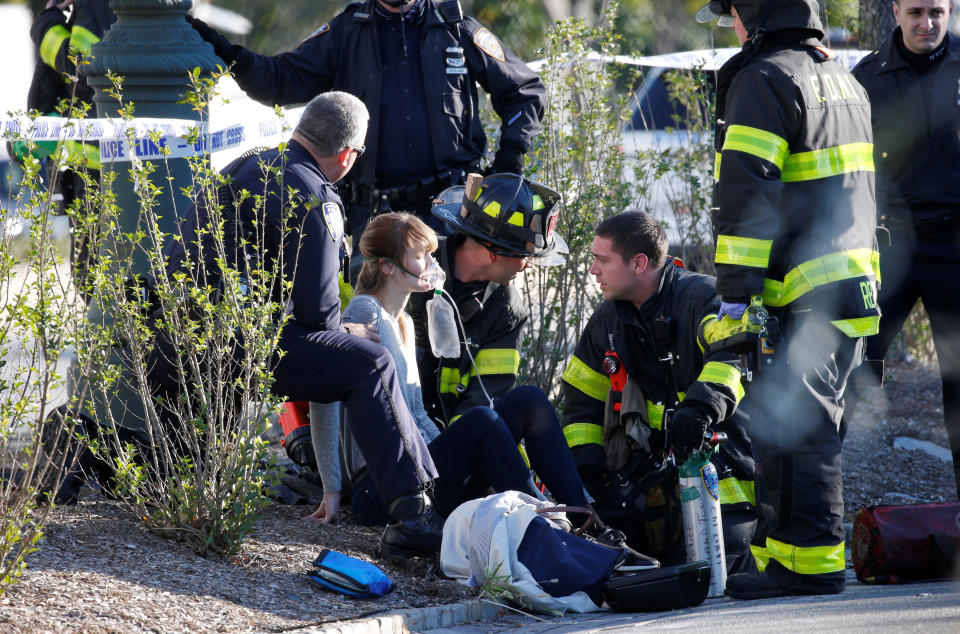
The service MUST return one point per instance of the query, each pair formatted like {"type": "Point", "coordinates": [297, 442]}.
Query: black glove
{"type": "Point", "coordinates": [506, 161]}
{"type": "Point", "coordinates": [685, 431]}
{"type": "Point", "coordinates": [223, 47]}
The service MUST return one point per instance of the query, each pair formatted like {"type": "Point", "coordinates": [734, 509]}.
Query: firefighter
{"type": "Point", "coordinates": [322, 358]}
{"type": "Point", "coordinates": [795, 228]}
{"type": "Point", "coordinates": [416, 65]}
{"type": "Point", "coordinates": [508, 226]}
{"type": "Point", "coordinates": [638, 385]}
{"type": "Point", "coordinates": [57, 81]}
{"type": "Point", "coordinates": [913, 82]}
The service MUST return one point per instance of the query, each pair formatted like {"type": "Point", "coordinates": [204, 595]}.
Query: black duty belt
{"type": "Point", "coordinates": [412, 194]}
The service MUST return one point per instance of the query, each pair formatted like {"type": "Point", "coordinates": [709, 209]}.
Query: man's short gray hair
{"type": "Point", "coordinates": [334, 121]}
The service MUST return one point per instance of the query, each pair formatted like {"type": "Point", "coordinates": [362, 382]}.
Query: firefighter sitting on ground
{"type": "Point", "coordinates": [638, 385]}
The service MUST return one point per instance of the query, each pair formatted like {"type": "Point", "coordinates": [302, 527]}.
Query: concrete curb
{"type": "Point", "coordinates": [415, 619]}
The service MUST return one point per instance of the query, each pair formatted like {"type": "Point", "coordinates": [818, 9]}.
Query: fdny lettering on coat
{"type": "Point", "coordinates": [834, 87]}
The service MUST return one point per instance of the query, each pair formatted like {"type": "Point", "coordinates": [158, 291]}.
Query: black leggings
{"type": "Point", "coordinates": [479, 452]}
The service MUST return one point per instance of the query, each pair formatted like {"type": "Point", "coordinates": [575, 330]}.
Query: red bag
{"type": "Point", "coordinates": [896, 544]}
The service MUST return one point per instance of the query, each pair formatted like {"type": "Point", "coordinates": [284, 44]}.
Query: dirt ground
{"type": "Point", "coordinates": [99, 570]}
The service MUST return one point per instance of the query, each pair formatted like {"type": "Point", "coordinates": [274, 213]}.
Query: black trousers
{"type": "Point", "coordinates": [925, 266]}
{"type": "Point", "coordinates": [795, 412]}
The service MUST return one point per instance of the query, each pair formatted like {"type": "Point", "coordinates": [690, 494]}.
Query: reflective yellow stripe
{"type": "Point", "coordinates": [807, 560]}
{"type": "Point", "coordinates": [497, 361]}
{"type": "Point", "coordinates": [831, 161]}
{"type": "Point", "coordinates": [493, 209]}
{"type": "Point", "coordinates": [82, 39]}
{"type": "Point", "coordinates": [523, 454]}
{"type": "Point", "coordinates": [716, 166]}
{"type": "Point", "coordinates": [52, 41]}
{"type": "Point", "coordinates": [722, 374]}
{"type": "Point", "coordinates": [583, 434]}
{"type": "Point", "coordinates": [516, 219]}
{"type": "Point", "coordinates": [860, 327]}
{"type": "Point", "coordinates": [655, 412]}
{"type": "Point", "coordinates": [537, 202]}
{"type": "Point", "coordinates": [87, 153]}
{"type": "Point", "coordinates": [450, 379]}
{"type": "Point", "coordinates": [346, 291]}
{"type": "Point", "coordinates": [455, 418]}
{"type": "Point", "coordinates": [743, 251]}
{"type": "Point", "coordinates": [835, 267]}
{"type": "Point", "coordinates": [733, 491]}
{"type": "Point", "coordinates": [581, 376]}
{"type": "Point", "coordinates": [761, 555]}
{"type": "Point", "coordinates": [759, 143]}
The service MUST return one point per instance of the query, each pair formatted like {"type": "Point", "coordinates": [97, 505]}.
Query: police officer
{"type": "Point", "coordinates": [795, 228]}
{"type": "Point", "coordinates": [913, 81]}
{"type": "Point", "coordinates": [415, 64]}
{"type": "Point", "coordinates": [638, 385]}
{"type": "Point", "coordinates": [323, 360]}
{"type": "Point", "coordinates": [502, 228]}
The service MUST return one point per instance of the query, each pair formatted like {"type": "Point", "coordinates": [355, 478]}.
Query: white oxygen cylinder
{"type": "Point", "coordinates": [702, 526]}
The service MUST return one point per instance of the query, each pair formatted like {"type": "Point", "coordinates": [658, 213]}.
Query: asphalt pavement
{"type": "Point", "coordinates": [923, 607]}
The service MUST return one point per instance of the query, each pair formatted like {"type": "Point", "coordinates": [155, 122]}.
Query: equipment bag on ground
{"type": "Point", "coordinates": [897, 544]}
{"type": "Point", "coordinates": [349, 575]}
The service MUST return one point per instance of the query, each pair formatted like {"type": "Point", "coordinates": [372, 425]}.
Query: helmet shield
{"type": "Point", "coordinates": [716, 9]}
{"type": "Point", "coordinates": [514, 216]}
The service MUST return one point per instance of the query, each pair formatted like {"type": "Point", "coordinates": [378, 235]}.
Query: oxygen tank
{"type": "Point", "coordinates": [702, 527]}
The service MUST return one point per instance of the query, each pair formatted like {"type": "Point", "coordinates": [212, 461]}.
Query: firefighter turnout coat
{"type": "Point", "coordinates": [493, 317]}
{"type": "Point", "coordinates": [658, 347]}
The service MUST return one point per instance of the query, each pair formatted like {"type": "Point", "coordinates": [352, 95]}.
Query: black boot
{"type": "Point", "coordinates": [760, 585]}
{"type": "Point", "coordinates": [630, 560]}
{"type": "Point", "coordinates": [416, 530]}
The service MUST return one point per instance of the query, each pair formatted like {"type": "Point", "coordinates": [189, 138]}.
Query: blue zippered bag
{"type": "Point", "coordinates": [349, 575]}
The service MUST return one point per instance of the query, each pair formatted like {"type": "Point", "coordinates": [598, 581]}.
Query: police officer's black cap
{"type": "Point", "coordinates": [492, 217]}
{"type": "Point", "coordinates": [716, 9]}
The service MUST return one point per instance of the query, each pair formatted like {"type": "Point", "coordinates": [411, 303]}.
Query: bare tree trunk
{"type": "Point", "coordinates": [876, 22]}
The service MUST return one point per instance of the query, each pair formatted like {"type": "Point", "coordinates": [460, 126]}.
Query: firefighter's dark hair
{"type": "Point", "coordinates": [634, 232]}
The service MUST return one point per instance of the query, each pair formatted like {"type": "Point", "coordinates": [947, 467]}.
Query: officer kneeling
{"type": "Point", "coordinates": [321, 360]}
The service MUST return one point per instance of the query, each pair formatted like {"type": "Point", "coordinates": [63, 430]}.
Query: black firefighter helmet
{"type": "Point", "coordinates": [510, 214]}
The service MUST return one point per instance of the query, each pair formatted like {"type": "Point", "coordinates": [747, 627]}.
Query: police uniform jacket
{"type": "Point", "coordinates": [54, 35]}
{"type": "Point", "coordinates": [305, 229]}
{"type": "Point", "coordinates": [712, 383]}
{"type": "Point", "coordinates": [493, 317]}
{"type": "Point", "coordinates": [795, 183]}
{"type": "Point", "coordinates": [916, 127]}
{"type": "Point", "coordinates": [455, 56]}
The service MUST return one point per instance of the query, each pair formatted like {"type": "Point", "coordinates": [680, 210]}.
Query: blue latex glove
{"type": "Point", "coordinates": [734, 311]}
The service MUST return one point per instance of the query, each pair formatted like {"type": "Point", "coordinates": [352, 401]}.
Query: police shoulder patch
{"type": "Point", "coordinates": [320, 31]}
{"type": "Point", "coordinates": [489, 44]}
{"type": "Point", "coordinates": [333, 219]}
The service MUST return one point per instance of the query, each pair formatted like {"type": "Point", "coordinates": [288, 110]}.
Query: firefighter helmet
{"type": "Point", "coordinates": [512, 215]}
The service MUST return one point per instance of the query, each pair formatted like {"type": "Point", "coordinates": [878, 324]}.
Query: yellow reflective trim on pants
{"type": "Point", "coordinates": [760, 143]}
{"type": "Point", "coordinates": [581, 376]}
{"type": "Point", "coordinates": [734, 491]}
{"type": "Point", "coordinates": [82, 39]}
{"type": "Point", "coordinates": [449, 380]}
{"type": "Point", "coordinates": [523, 454]}
{"type": "Point", "coordinates": [859, 327]}
{"type": "Point", "coordinates": [807, 560]}
{"type": "Point", "coordinates": [723, 374]}
{"type": "Point", "coordinates": [761, 556]}
{"type": "Point", "coordinates": [583, 434]}
{"type": "Point", "coordinates": [834, 267]}
{"type": "Point", "coordinates": [50, 45]}
{"type": "Point", "coordinates": [743, 251]}
{"type": "Point", "coordinates": [831, 161]}
{"type": "Point", "coordinates": [497, 361]}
